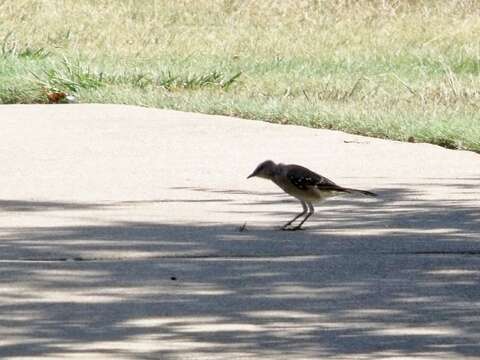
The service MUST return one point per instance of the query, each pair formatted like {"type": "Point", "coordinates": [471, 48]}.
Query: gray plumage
{"type": "Point", "coordinates": [303, 184]}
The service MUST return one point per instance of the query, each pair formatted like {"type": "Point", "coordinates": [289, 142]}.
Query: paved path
{"type": "Point", "coordinates": [120, 239]}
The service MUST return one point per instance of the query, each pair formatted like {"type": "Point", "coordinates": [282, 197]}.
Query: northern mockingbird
{"type": "Point", "coordinates": [303, 184]}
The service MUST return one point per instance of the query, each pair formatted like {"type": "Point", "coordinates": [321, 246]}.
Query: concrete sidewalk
{"type": "Point", "coordinates": [120, 238]}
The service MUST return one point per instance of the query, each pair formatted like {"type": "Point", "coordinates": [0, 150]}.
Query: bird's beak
{"type": "Point", "coordinates": [251, 175]}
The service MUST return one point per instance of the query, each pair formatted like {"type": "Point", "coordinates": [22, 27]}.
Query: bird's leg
{"type": "Point", "coordinates": [311, 211]}
{"type": "Point", "coordinates": [305, 210]}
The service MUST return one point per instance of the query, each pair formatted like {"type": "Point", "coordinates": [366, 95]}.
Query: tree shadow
{"type": "Point", "coordinates": [32, 205]}
{"type": "Point", "coordinates": [386, 278]}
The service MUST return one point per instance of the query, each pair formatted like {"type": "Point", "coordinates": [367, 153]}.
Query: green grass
{"type": "Point", "coordinates": [405, 70]}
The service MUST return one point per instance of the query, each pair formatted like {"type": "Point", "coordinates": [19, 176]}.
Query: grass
{"type": "Point", "coordinates": [405, 70]}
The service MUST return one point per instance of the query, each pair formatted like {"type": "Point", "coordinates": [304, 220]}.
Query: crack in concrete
{"type": "Point", "coordinates": [234, 257]}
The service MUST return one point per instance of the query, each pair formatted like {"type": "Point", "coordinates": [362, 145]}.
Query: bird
{"type": "Point", "coordinates": [303, 184]}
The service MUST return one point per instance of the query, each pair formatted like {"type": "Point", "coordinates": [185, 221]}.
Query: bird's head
{"type": "Point", "coordinates": [265, 170]}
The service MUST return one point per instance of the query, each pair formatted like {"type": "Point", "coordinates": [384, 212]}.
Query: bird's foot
{"type": "Point", "coordinates": [291, 228]}
{"type": "Point", "coordinates": [298, 228]}
{"type": "Point", "coordinates": [287, 226]}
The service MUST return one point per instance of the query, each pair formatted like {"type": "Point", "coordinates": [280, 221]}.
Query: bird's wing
{"type": "Point", "coordinates": [304, 179]}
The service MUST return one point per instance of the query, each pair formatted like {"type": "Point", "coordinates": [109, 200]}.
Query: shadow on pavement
{"type": "Point", "coordinates": [392, 278]}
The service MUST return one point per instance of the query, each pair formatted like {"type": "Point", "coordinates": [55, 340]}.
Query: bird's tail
{"type": "Point", "coordinates": [363, 192]}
